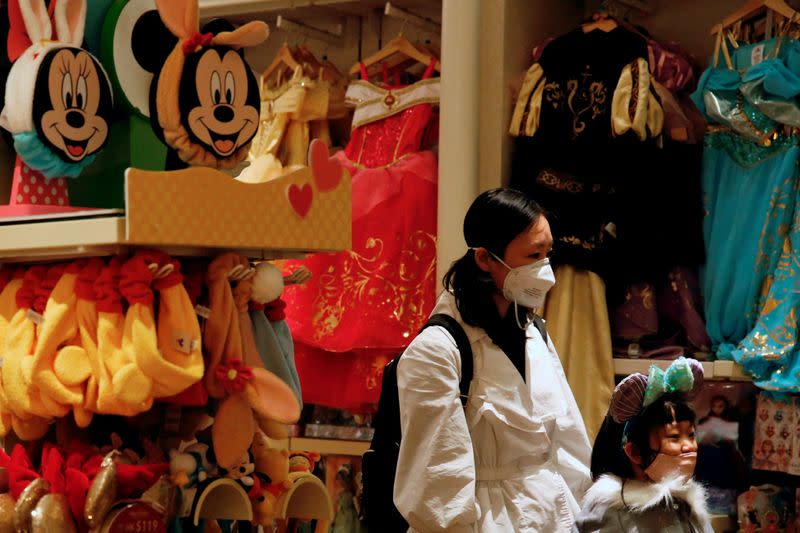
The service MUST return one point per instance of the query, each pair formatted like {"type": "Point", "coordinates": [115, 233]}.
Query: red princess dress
{"type": "Point", "coordinates": [362, 307]}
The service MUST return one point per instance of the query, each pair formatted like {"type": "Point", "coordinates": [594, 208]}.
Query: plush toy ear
{"type": "Point", "coordinates": [180, 16]}
{"type": "Point", "coordinates": [18, 40]}
{"type": "Point", "coordinates": [36, 20]}
{"type": "Point", "coordinates": [233, 431]}
{"type": "Point", "coordinates": [272, 398]}
{"type": "Point", "coordinates": [70, 21]}
{"type": "Point", "coordinates": [251, 34]}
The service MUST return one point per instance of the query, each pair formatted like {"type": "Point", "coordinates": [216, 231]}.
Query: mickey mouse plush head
{"type": "Point", "coordinates": [205, 99]}
{"type": "Point", "coordinates": [58, 100]}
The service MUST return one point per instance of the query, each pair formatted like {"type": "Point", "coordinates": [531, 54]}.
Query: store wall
{"type": "Point", "coordinates": [509, 31]}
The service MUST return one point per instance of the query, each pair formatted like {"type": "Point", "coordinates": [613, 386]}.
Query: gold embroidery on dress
{"type": "Point", "coordinates": [575, 241]}
{"type": "Point", "coordinates": [374, 281]}
{"type": "Point", "coordinates": [559, 182]}
{"type": "Point", "coordinates": [584, 97]}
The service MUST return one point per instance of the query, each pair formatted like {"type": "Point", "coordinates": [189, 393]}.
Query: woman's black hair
{"type": "Point", "coordinates": [493, 220]}
{"type": "Point", "coordinates": [608, 456]}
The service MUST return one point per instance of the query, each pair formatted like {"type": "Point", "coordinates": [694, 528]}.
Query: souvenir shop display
{"type": "Point", "coordinates": [189, 359]}
{"type": "Point", "coordinates": [259, 213]}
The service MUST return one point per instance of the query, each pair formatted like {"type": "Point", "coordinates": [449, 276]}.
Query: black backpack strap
{"type": "Point", "coordinates": [539, 323]}
{"type": "Point", "coordinates": [464, 348]}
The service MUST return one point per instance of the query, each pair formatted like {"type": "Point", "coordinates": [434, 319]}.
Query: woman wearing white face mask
{"type": "Point", "coordinates": [516, 457]}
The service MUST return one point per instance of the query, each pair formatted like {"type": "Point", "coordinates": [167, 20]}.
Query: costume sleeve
{"type": "Point", "coordinates": [435, 484]}
{"type": "Point", "coordinates": [525, 118]}
{"type": "Point", "coordinates": [635, 106]}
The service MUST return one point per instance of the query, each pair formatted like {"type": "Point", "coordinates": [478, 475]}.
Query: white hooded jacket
{"type": "Point", "coordinates": [515, 459]}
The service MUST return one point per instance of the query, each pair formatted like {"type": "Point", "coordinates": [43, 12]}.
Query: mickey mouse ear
{"type": "Point", "coordinates": [134, 44]}
{"type": "Point", "coordinates": [626, 402]}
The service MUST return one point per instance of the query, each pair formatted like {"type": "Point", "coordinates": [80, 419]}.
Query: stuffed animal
{"type": "Point", "coordinates": [242, 472]}
{"type": "Point", "coordinates": [184, 469]}
{"type": "Point", "coordinates": [272, 338]}
{"type": "Point", "coordinates": [303, 462]}
{"type": "Point", "coordinates": [200, 452]}
{"type": "Point", "coordinates": [264, 503]}
{"type": "Point", "coordinates": [271, 462]}
{"type": "Point", "coordinates": [58, 102]}
{"type": "Point", "coordinates": [204, 100]}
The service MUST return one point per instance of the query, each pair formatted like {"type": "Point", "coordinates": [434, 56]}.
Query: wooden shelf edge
{"type": "Point", "coordinates": [352, 448]}
{"type": "Point", "coordinates": [625, 366]}
{"type": "Point", "coordinates": [713, 370]}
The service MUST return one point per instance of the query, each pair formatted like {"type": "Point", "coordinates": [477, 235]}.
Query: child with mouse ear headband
{"type": "Point", "coordinates": [644, 456]}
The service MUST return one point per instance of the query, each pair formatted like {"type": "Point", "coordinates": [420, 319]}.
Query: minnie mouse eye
{"type": "Point", "coordinates": [66, 90]}
{"type": "Point", "coordinates": [81, 93]}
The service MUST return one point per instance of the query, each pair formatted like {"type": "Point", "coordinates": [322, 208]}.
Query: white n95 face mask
{"type": "Point", "coordinates": [528, 285]}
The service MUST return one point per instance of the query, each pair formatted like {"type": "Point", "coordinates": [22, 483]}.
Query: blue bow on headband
{"type": "Point", "coordinates": [677, 378]}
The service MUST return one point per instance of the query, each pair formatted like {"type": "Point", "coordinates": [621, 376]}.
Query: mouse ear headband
{"type": "Point", "coordinates": [182, 19]}
{"type": "Point", "coordinates": [637, 391]}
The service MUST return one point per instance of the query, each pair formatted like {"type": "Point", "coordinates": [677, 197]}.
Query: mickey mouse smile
{"type": "Point", "coordinates": [224, 144]}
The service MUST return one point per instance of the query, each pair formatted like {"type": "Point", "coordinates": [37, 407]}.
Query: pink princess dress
{"type": "Point", "coordinates": [362, 307]}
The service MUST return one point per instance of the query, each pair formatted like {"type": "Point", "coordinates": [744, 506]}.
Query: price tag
{"type": "Point", "coordinates": [137, 517]}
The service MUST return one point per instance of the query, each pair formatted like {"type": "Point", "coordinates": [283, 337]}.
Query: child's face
{"type": "Point", "coordinates": [674, 438]}
{"type": "Point", "coordinates": [718, 407]}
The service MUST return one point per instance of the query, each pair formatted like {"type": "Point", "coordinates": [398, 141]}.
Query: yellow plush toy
{"type": "Point", "coordinates": [86, 310]}
{"type": "Point", "coordinates": [8, 307]}
{"type": "Point", "coordinates": [110, 327]}
{"type": "Point", "coordinates": [179, 362]}
{"type": "Point", "coordinates": [271, 461]}
{"type": "Point", "coordinates": [59, 327]}
{"type": "Point", "coordinates": [131, 385]}
{"type": "Point", "coordinates": [24, 399]}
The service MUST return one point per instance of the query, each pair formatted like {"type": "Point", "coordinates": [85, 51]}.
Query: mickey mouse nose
{"type": "Point", "coordinates": [75, 119]}
{"type": "Point", "coordinates": [223, 113]}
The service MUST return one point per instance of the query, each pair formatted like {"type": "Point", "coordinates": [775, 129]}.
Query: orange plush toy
{"type": "Point", "coordinates": [250, 394]}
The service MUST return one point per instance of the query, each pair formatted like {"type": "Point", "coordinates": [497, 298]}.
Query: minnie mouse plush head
{"type": "Point", "coordinates": [205, 99]}
{"type": "Point", "coordinates": [58, 100]}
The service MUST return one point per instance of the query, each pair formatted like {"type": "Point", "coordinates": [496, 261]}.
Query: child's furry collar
{"type": "Point", "coordinates": [639, 496]}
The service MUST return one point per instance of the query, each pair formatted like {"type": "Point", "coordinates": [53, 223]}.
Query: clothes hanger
{"type": "Point", "coordinates": [394, 53]}
{"type": "Point", "coordinates": [283, 59]}
{"type": "Point", "coordinates": [753, 7]}
{"type": "Point", "coordinates": [600, 21]}
{"type": "Point", "coordinates": [311, 65]}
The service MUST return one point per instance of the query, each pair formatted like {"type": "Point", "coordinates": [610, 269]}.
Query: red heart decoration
{"type": "Point", "coordinates": [300, 198]}
{"type": "Point", "coordinates": [327, 171]}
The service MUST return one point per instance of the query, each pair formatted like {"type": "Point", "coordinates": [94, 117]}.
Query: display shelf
{"type": "Point", "coordinates": [182, 213]}
{"type": "Point", "coordinates": [625, 367]}
{"type": "Point", "coordinates": [352, 448]}
{"type": "Point", "coordinates": [713, 370]}
{"type": "Point", "coordinates": [723, 523]}
{"type": "Point", "coordinates": [730, 371]}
